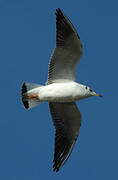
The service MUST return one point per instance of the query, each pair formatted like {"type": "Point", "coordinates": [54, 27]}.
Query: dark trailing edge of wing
{"type": "Point", "coordinates": [64, 28]}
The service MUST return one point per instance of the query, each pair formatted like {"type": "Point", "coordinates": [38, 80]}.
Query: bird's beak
{"type": "Point", "coordinates": [97, 95]}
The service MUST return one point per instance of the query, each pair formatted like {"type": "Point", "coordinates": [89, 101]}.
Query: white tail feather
{"type": "Point", "coordinates": [27, 102]}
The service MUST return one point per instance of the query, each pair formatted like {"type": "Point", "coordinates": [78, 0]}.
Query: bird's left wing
{"type": "Point", "coordinates": [67, 121]}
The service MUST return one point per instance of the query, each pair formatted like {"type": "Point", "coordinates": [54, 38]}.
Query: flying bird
{"type": "Point", "coordinates": [61, 90]}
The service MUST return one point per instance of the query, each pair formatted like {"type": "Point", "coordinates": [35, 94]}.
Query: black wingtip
{"type": "Point", "coordinates": [55, 169]}
{"type": "Point", "coordinates": [58, 12]}
{"type": "Point", "coordinates": [23, 93]}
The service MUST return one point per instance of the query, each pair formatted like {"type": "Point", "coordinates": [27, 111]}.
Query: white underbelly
{"type": "Point", "coordinates": [59, 92]}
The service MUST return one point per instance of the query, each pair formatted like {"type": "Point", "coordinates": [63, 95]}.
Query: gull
{"type": "Point", "coordinates": [61, 90]}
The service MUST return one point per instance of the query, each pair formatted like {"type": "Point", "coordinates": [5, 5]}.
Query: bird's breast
{"type": "Point", "coordinates": [59, 92]}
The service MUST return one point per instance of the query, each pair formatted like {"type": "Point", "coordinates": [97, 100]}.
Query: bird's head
{"type": "Point", "coordinates": [89, 92]}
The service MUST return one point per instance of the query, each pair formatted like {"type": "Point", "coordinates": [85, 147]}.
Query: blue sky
{"type": "Point", "coordinates": [27, 37]}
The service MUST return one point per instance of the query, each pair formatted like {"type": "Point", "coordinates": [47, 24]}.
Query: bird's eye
{"type": "Point", "coordinates": [90, 90]}
{"type": "Point", "coordinates": [86, 87]}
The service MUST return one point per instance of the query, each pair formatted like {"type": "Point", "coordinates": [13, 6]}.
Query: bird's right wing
{"type": "Point", "coordinates": [67, 121]}
{"type": "Point", "coordinates": [67, 53]}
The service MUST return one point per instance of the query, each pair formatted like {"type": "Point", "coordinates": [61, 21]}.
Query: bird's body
{"type": "Point", "coordinates": [61, 89]}
{"type": "Point", "coordinates": [60, 92]}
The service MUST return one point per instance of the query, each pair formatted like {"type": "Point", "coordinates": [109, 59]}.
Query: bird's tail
{"type": "Point", "coordinates": [29, 94]}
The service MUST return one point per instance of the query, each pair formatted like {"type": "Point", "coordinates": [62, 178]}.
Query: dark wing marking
{"type": "Point", "coordinates": [64, 28]}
